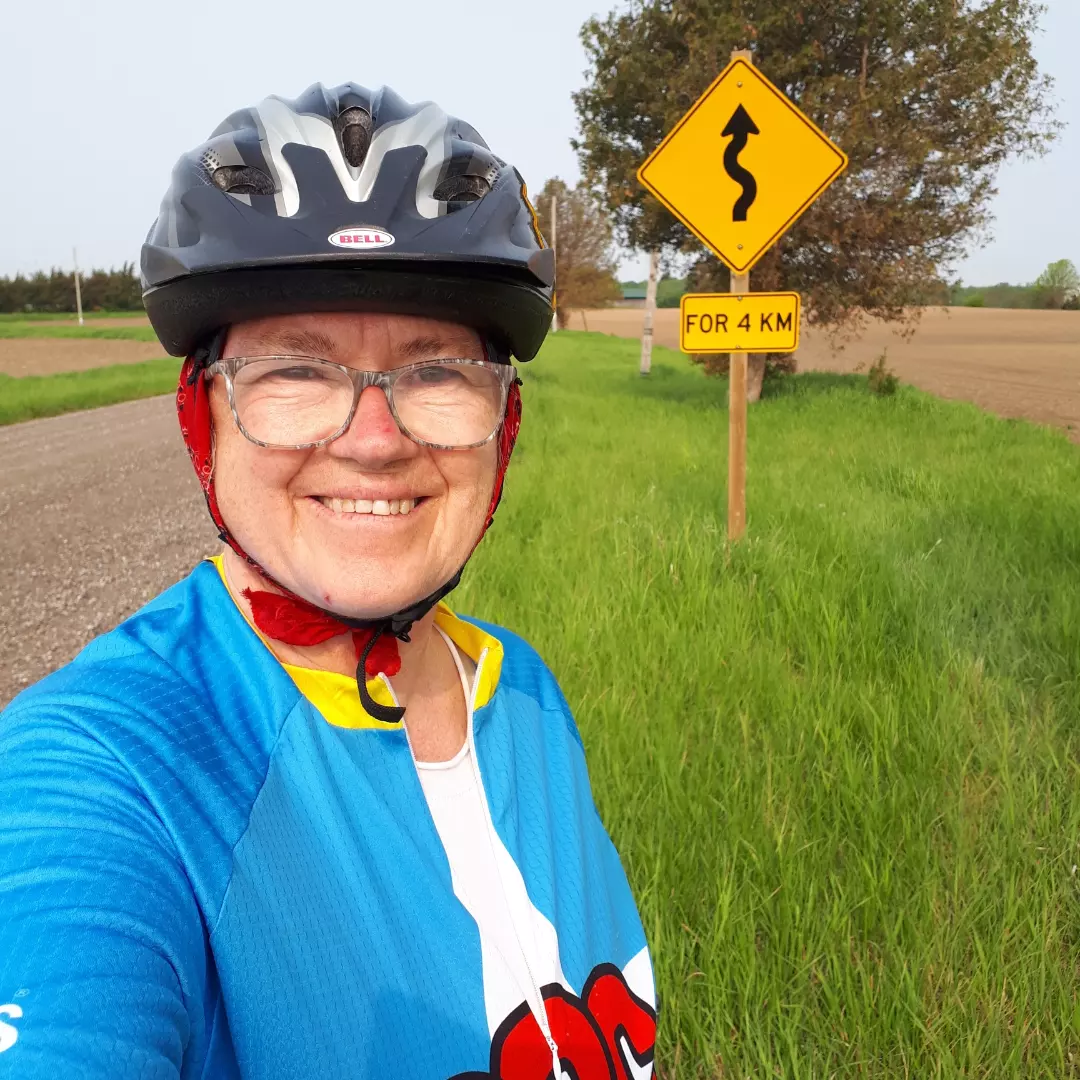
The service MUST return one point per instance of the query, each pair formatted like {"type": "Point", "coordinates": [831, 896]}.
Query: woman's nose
{"type": "Point", "coordinates": [373, 432]}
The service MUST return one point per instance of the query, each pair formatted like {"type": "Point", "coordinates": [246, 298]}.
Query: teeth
{"type": "Point", "coordinates": [381, 507]}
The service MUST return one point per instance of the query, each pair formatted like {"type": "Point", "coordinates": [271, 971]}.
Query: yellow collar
{"type": "Point", "coordinates": [336, 696]}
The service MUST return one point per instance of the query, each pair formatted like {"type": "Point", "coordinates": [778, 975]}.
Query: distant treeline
{"type": "Point", "coordinates": [102, 290]}
{"type": "Point", "coordinates": [1010, 296]}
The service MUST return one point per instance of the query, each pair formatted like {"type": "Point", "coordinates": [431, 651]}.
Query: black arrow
{"type": "Point", "coordinates": [740, 127]}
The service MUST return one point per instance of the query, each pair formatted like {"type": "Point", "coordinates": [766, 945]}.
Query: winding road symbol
{"type": "Point", "coordinates": [738, 192]}
{"type": "Point", "coordinates": [740, 127]}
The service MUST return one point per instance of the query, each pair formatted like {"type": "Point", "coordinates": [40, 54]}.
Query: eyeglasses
{"type": "Point", "coordinates": [300, 402]}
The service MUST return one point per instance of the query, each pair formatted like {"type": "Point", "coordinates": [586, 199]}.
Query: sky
{"type": "Point", "coordinates": [103, 98]}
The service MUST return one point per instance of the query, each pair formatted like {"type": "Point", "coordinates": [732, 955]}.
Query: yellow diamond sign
{"type": "Point", "coordinates": [741, 166]}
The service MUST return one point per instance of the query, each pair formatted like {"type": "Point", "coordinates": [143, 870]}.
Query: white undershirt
{"type": "Point", "coordinates": [519, 947]}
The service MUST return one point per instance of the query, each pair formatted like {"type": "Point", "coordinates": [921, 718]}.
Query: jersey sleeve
{"type": "Point", "coordinates": [102, 957]}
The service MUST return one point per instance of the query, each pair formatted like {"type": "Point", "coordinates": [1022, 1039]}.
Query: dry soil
{"type": "Point", "coordinates": [1014, 363]}
{"type": "Point", "coordinates": [47, 356]}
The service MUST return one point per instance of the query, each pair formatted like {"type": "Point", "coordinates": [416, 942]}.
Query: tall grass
{"type": "Point", "coordinates": [839, 759]}
{"type": "Point", "coordinates": [48, 395]}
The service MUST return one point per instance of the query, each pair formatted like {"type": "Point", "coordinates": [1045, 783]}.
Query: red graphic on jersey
{"type": "Point", "coordinates": [606, 1034]}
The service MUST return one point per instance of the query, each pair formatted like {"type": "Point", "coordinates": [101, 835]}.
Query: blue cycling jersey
{"type": "Point", "coordinates": [200, 876]}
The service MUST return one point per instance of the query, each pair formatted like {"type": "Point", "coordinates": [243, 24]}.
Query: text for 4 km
{"type": "Point", "coordinates": [771, 322]}
{"type": "Point", "coordinates": [739, 322]}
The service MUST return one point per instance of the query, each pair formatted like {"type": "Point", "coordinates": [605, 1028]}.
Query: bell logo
{"type": "Point", "coordinates": [361, 238]}
{"type": "Point", "coordinates": [9, 1035]}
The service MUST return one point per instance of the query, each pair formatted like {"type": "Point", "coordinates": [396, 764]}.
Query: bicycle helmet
{"type": "Point", "coordinates": [346, 199]}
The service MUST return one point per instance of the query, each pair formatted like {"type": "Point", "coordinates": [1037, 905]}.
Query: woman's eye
{"type": "Point", "coordinates": [437, 373]}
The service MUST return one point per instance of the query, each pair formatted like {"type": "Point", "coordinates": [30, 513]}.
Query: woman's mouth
{"type": "Point", "coordinates": [377, 507]}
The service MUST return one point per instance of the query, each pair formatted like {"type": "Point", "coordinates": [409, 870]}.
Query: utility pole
{"type": "Point", "coordinates": [554, 223]}
{"type": "Point", "coordinates": [78, 291]}
{"type": "Point", "coordinates": [650, 312]}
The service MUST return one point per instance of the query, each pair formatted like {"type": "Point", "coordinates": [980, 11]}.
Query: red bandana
{"type": "Point", "coordinates": [296, 622]}
{"type": "Point", "coordinates": [285, 616]}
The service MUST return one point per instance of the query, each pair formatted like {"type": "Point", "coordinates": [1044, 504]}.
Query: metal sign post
{"type": "Point", "coordinates": [738, 170]}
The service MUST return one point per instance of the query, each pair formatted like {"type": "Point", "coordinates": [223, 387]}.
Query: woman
{"type": "Point", "coordinates": [295, 817]}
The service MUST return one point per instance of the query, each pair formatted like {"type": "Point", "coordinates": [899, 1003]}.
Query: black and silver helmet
{"type": "Point", "coordinates": [346, 200]}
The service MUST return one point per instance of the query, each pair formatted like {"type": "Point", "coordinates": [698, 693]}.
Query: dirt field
{"type": "Point", "coordinates": [47, 356]}
{"type": "Point", "coordinates": [1015, 363]}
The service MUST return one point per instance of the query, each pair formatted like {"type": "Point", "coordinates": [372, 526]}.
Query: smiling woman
{"type": "Point", "coordinates": [297, 784]}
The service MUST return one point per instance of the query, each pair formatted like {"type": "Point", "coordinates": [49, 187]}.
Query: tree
{"type": "Point", "coordinates": [927, 97]}
{"type": "Point", "coordinates": [113, 290]}
{"type": "Point", "coordinates": [1057, 285]}
{"type": "Point", "coordinates": [584, 264]}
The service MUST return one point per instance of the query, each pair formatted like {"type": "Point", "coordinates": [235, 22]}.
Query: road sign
{"type": "Point", "coordinates": [741, 166]}
{"type": "Point", "coordinates": [750, 323]}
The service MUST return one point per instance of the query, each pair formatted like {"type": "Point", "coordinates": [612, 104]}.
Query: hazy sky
{"type": "Point", "coordinates": [101, 98]}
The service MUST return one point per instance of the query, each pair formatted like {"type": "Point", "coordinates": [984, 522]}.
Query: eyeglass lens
{"type": "Point", "coordinates": [291, 401]}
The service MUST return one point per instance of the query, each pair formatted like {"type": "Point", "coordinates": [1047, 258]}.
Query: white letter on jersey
{"type": "Point", "coordinates": [8, 1034]}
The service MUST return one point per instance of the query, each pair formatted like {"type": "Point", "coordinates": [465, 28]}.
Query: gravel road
{"type": "Point", "coordinates": [100, 512]}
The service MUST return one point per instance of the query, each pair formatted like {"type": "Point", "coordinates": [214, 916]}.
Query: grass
{"type": "Point", "coordinates": [56, 316]}
{"type": "Point", "coordinates": [839, 759]}
{"type": "Point", "coordinates": [22, 328]}
{"type": "Point", "coordinates": [48, 395]}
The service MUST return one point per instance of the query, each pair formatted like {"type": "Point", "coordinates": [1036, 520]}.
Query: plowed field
{"type": "Point", "coordinates": [1014, 363]}
{"type": "Point", "coordinates": [48, 356]}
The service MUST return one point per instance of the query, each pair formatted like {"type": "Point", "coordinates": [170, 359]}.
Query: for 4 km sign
{"type": "Point", "coordinates": [750, 323]}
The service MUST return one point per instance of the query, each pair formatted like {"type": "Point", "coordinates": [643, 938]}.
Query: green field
{"type": "Point", "coordinates": [57, 316]}
{"type": "Point", "coordinates": [24, 328]}
{"type": "Point", "coordinates": [840, 760]}
{"type": "Point", "coordinates": [48, 395]}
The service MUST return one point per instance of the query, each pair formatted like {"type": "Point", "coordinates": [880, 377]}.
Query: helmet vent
{"type": "Point", "coordinates": [242, 180]}
{"type": "Point", "coordinates": [353, 128]}
{"type": "Point", "coordinates": [459, 191]}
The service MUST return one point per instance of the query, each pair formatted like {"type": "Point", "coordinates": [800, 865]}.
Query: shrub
{"type": "Point", "coordinates": [881, 379]}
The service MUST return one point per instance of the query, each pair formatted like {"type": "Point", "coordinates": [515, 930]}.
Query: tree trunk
{"type": "Point", "coordinates": [755, 376]}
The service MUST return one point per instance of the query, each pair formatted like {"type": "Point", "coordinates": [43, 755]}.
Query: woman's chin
{"type": "Point", "coordinates": [365, 594]}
